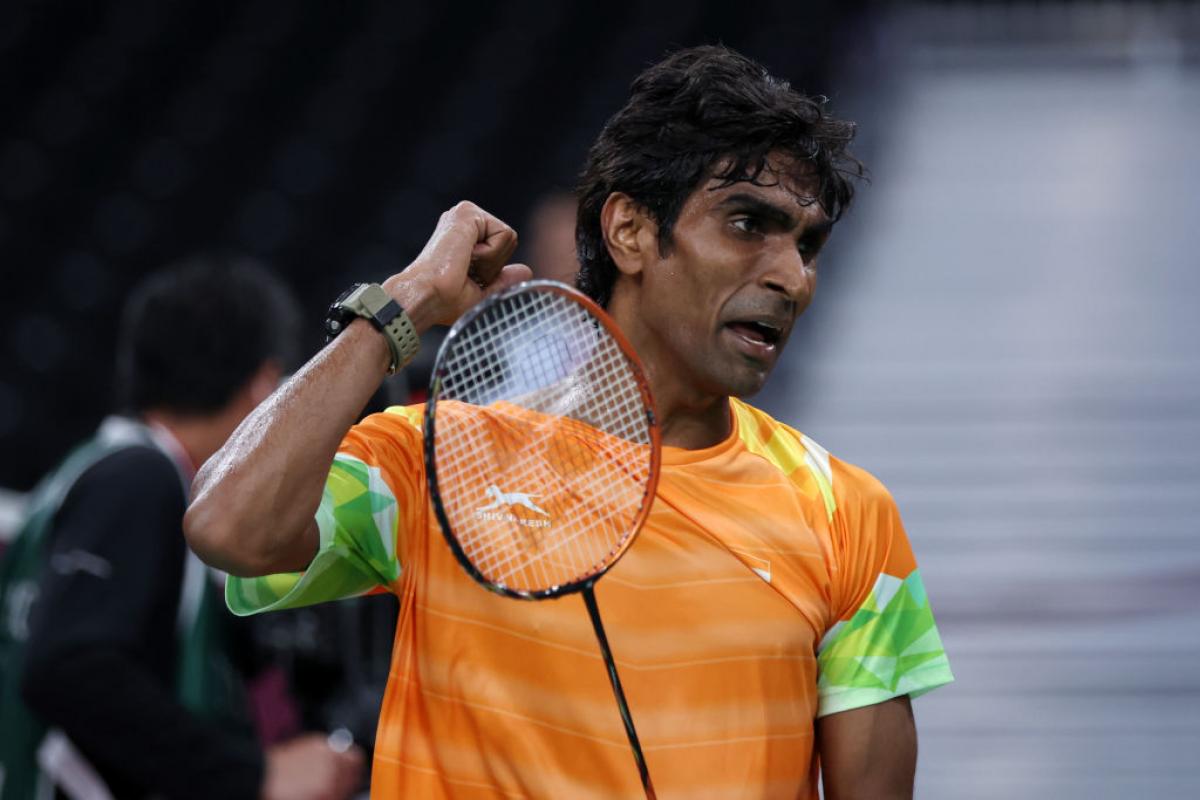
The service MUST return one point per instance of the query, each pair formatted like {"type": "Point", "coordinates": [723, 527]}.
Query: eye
{"type": "Point", "coordinates": [747, 224]}
{"type": "Point", "coordinates": [809, 247]}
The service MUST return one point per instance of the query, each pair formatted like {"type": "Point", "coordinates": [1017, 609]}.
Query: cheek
{"type": "Point", "coordinates": [679, 308]}
{"type": "Point", "coordinates": [701, 267]}
{"type": "Point", "coordinates": [676, 284]}
{"type": "Point", "coordinates": [693, 298]}
{"type": "Point", "coordinates": [808, 295]}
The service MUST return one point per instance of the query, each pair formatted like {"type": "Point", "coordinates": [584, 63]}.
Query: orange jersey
{"type": "Point", "coordinates": [771, 584]}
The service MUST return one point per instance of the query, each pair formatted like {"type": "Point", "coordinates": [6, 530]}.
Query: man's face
{"type": "Point", "coordinates": [718, 309]}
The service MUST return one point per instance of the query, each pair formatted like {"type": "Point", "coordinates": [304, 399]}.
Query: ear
{"type": "Point", "coordinates": [629, 233]}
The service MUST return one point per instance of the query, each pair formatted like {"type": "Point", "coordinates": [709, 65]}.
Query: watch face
{"type": "Point", "coordinates": [336, 322]}
{"type": "Point", "coordinates": [338, 316]}
{"type": "Point", "coordinates": [354, 287]}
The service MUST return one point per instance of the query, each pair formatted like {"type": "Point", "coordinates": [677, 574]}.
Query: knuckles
{"type": "Point", "coordinates": [464, 212]}
{"type": "Point", "coordinates": [463, 209]}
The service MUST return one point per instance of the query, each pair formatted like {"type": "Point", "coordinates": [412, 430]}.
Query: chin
{"type": "Point", "coordinates": [748, 391]}
{"type": "Point", "coordinates": [744, 382]}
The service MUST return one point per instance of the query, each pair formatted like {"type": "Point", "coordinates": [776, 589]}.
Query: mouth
{"type": "Point", "coordinates": [755, 338]}
{"type": "Point", "coordinates": [764, 333]}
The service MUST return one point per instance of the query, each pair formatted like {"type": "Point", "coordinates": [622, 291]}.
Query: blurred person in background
{"type": "Point", "coordinates": [111, 630]}
{"type": "Point", "coordinates": [549, 237]}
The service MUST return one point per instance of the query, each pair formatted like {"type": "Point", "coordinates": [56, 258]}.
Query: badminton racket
{"type": "Point", "coordinates": [542, 451]}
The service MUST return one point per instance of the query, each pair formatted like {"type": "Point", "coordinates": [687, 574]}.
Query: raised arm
{"type": "Point", "coordinates": [254, 500]}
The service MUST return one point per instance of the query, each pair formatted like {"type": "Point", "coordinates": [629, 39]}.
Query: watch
{"type": "Point", "coordinates": [372, 303]}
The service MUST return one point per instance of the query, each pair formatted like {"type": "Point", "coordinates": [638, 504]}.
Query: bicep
{"type": "Point", "coordinates": [349, 547]}
{"type": "Point", "coordinates": [869, 752]}
{"type": "Point", "coordinates": [372, 502]}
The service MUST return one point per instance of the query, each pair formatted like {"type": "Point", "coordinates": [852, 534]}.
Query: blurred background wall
{"type": "Point", "coordinates": [1008, 337]}
{"type": "Point", "coordinates": [325, 138]}
{"type": "Point", "coordinates": [1005, 332]}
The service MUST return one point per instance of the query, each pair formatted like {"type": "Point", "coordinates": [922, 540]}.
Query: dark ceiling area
{"type": "Point", "coordinates": [322, 138]}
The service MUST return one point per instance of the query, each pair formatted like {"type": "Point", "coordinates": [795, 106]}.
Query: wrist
{"type": "Point", "coordinates": [366, 338]}
{"type": "Point", "coordinates": [371, 302]}
{"type": "Point", "coordinates": [417, 301]}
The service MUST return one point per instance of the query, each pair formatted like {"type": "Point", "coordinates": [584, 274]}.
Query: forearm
{"type": "Point", "coordinates": [254, 500]}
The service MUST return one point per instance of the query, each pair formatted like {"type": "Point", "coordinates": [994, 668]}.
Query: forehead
{"type": "Point", "coordinates": [785, 182]}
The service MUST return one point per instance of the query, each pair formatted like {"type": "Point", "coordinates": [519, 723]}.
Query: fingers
{"type": "Point", "coordinates": [352, 763]}
{"type": "Point", "coordinates": [494, 244]}
{"type": "Point", "coordinates": [463, 260]}
{"type": "Point", "coordinates": [510, 275]}
{"type": "Point", "coordinates": [468, 237]}
{"type": "Point", "coordinates": [353, 758]}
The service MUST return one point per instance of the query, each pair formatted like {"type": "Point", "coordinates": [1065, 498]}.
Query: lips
{"type": "Point", "coordinates": [757, 325]}
{"type": "Point", "coordinates": [757, 341]}
{"type": "Point", "coordinates": [756, 332]}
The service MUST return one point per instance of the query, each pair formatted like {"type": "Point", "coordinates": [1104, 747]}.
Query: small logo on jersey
{"type": "Point", "coordinates": [503, 503]}
{"type": "Point", "coordinates": [759, 566]}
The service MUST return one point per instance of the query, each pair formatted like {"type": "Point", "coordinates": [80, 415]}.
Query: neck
{"type": "Point", "coordinates": [690, 421]}
{"type": "Point", "coordinates": [199, 435]}
{"type": "Point", "coordinates": [690, 417]}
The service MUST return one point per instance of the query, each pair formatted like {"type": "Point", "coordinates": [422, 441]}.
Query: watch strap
{"type": "Point", "coordinates": [371, 302]}
{"type": "Point", "coordinates": [401, 337]}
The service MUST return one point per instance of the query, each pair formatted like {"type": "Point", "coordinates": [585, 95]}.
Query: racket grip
{"type": "Point", "coordinates": [589, 598]}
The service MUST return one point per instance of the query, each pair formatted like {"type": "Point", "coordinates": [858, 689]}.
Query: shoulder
{"type": "Point", "coordinates": [135, 492]}
{"type": "Point", "coordinates": [782, 445]}
{"type": "Point", "coordinates": [855, 487]}
{"type": "Point", "coordinates": [135, 469]}
{"type": "Point", "coordinates": [390, 440]}
{"type": "Point", "coordinates": [406, 417]}
{"type": "Point", "coordinates": [843, 486]}
{"type": "Point", "coordinates": [395, 424]}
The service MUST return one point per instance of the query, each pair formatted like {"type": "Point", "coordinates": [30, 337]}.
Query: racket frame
{"type": "Point", "coordinates": [430, 429]}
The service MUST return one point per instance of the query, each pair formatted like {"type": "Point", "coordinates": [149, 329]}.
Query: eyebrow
{"type": "Point", "coordinates": [773, 213]}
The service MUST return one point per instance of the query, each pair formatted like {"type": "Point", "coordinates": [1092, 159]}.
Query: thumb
{"type": "Point", "coordinates": [510, 275]}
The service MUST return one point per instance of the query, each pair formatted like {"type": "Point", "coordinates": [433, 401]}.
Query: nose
{"type": "Point", "coordinates": [787, 274]}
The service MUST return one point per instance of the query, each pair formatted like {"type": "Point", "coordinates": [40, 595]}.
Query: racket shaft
{"type": "Point", "coordinates": [589, 597]}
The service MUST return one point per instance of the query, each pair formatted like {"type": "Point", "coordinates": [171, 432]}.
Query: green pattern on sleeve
{"type": "Point", "coordinates": [890, 647]}
{"type": "Point", "coordinates": [357, 519]}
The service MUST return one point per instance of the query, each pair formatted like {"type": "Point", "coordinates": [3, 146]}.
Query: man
{"type": "Point", "coordinates": [768, 614]}
{"type": "Point", "coordinates": [549, 237]}
{"type": "Point", "coordinates": [112, 630]}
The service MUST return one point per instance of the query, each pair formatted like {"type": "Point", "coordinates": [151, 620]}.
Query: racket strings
{"type": "Point", "coordinates": [576, 553]}
{"type": "Point", "coordinates": [588, 547]}
{"type": "Point", "coordinates": [591, 501]}
{"type": "Point", "coordinates": [546, 486]}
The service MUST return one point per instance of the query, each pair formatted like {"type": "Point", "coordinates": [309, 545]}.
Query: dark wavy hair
{"type": "Point", "coordinates": [703, 113]}
{"type": "Point", "coordinates": [194, 333]}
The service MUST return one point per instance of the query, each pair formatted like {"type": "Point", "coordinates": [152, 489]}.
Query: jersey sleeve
{"type": "Point", "coordinates": [884, 642]}
{"type": "Point", "coordinates": [374, 498]}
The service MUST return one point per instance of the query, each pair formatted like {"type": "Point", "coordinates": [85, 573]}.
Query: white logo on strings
{"type": "Point", "coordinates": [507, 500]}
{"type": "Point", "coordinates": [501, 499]}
